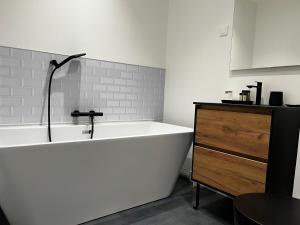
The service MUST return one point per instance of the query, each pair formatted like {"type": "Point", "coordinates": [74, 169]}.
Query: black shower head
{"type": "Point", "coordinates": [58, 65]}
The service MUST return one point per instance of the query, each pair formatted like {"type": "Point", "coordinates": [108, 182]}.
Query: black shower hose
{"type": "Point", "coordinates": [49, 109]}
{"type": "Point", "coordinates": [92, 131]}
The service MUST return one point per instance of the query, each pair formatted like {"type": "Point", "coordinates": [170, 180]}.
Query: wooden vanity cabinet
{"type": "Point", "coordinates": [244, 149]}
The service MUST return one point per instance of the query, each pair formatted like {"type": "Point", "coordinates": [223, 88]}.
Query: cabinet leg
{"type": "Point", "coordinates": [196, 205]}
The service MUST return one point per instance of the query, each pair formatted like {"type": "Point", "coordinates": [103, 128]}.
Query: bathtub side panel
{"type": "Point", "coordinates": [68, 184]}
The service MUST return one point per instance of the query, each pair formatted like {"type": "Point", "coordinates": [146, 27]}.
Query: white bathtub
{"type": "Point", "coordinates": [74, 179]}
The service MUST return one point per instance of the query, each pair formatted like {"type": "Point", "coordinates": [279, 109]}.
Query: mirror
{"type": "Point", "coordinates": [266, 33]}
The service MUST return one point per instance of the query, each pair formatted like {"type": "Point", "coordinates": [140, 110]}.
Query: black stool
{"type": "Point", "coordinates": [265, 209]}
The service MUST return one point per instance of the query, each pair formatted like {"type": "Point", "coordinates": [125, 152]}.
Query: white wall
{"type": "Point", "coordinates": [197, 58]}
{"type": "Point", "coordinates": [198, 63]}
{"type": "Point", "coordinates": [128, 31]}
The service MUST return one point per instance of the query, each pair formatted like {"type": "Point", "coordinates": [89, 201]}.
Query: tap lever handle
{"type": "Point", "coordinates": [91, 113]}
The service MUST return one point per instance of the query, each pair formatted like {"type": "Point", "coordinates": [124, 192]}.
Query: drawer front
{"type": "Point", "coordinates": [237, 132]}
{"type": "Point", "coordinates": [231, 174]}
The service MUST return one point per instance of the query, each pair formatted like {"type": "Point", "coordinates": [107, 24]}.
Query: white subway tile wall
{"type": "Point", "coordinates": [122, 92]}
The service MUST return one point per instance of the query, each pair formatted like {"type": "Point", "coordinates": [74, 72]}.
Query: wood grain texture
{"type": "Point", "coordinates": [240, 132]}
{"type": "Point", "coordinates": [228, 173]}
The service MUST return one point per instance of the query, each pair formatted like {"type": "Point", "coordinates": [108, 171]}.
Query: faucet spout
{"type": "Point", "coordinates": [258, 92]}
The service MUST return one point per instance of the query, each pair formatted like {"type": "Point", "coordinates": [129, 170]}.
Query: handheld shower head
{"type": "Point", "coordinates": [58, 65]}
{"type": "Point", "coordinates": [54, 63]}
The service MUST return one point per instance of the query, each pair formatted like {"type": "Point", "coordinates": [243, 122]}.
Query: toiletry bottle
{"type": "Point", "coordinates": [241, 97]}
{"type": "Point", "coordinates": [246, 95]}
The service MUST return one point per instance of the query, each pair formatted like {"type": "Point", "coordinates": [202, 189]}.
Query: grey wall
{"type": "Point", "coordinates": [123, 92]}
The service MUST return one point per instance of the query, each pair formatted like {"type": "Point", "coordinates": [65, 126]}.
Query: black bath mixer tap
{"type": "Point", "coordinates": [258, 91]}
{"type": "Point", "coordinates": [90, 114]}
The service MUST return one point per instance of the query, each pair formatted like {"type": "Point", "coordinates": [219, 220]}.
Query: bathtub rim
{"type": "Point", "coordinates": [153, 134]}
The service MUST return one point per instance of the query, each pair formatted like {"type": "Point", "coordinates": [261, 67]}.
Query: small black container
{"type": "Point", "coordinates": [276, 98]}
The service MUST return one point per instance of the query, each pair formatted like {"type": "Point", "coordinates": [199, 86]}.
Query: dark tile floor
{"type": "Point", "coordinates": [214, 209]}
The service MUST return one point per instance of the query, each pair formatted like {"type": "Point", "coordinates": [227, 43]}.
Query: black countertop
{"type": "Point", "coordinates": [245, 106]}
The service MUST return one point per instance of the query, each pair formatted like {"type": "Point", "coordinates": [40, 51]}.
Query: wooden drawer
{"type": "Point", "coordinates": [246, 134]}
{"type": "Point", "coordinates": [231, 174]}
